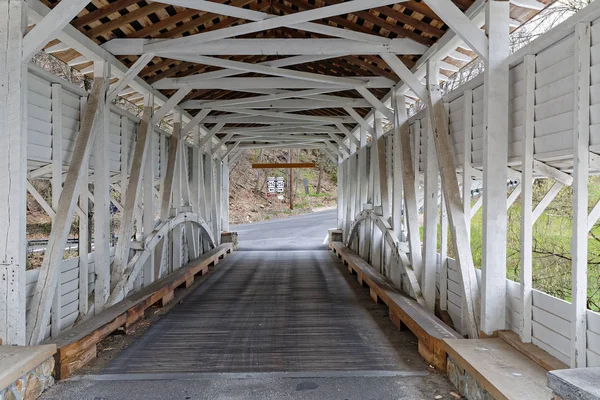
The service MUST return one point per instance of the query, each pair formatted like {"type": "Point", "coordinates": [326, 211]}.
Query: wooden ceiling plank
{"type": "Point", "coordinates": [420, 8]}
{"type": "Point", "coordinates": [123, 20]}
{"type": "Point", "coordinates": [101, 13]}
{"type": "Point", "coordinates": [415, 23]}
{"type": "Point", "coordinates": [166, 23]}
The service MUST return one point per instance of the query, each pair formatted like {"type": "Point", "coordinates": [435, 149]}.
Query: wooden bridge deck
{"type": "Point", "coordinates": [273, 311]}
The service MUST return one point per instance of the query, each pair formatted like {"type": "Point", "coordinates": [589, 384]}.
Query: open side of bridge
{"type": "Point", "coordinates": [170, 94]}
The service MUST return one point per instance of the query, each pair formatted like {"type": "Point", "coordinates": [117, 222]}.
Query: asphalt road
{"type": "Point", "coordinates": [304, 232]}
{"type": "Point", "coordinates": [279, 319]}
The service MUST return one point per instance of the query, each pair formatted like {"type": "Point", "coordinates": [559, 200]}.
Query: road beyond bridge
{"type": "Point", "coordinates": [281, 318]}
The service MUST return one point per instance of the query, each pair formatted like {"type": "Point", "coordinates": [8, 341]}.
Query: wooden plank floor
{"type": "Point", "coordinates": [272, 311]}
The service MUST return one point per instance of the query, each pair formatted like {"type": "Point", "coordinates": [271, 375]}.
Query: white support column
{"type": "Point", "coordinates": [430, 221]}
{"type": "Point", "coordinates": [190, 233]}
{"type": "Point", "coordinates": [363, 172]}
{"type": "Point", "coordinates": [443, 255]}
{"type": "Point", "coordinates": [579, 241]}
{"type": "Point", "coordinates": [13, 171]}
{"type": "Point", "coordinates": [348, 177]}
{"type": "Point", "coordinates": [83, 245]}
{"type": "Point", "coordinates": [382, 167]}
{"type": "Point", "coordinates": [201, 177]}
{"type": "Point", "coordinates": [397, 194]}
{"type": "Point", "coordinates": [57, 181]}
{"type": "Point", "coordinates": [225, 195]}
{"type": "Point", "coordinates": [363, 168]}
{"type": "Point", "coordinates": [195, 176]}
{"type": "Point", "coordinates": [149, 206]}
{"type": "Point", "coordinates": [217, 200]}
{"type": "Point", "coordinates": [525, 275]}
{"type": "Point", "coordinates": [340, 197]}
{"type": "Point", "coordinates": [102, 197]}
{"type": "Point", "coordinates": [211, 188]}
{"type": "Point", "coordinates": [495, 158]}
{"type": "Point", "coordinates": [124, 156]}
{"type": "Point", "coordinates": [468, 137]}
{"type": "Point", "coordinates": [176, 199]}
{"type": "Point", "coordinates": [409, 173]}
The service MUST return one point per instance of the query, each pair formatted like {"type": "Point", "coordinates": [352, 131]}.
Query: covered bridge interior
{"type": "Point", "coordinates": [157, 100]}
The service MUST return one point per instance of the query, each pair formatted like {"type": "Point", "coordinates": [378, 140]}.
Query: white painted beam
{"type": "Point", "coordinates": [357, 118]}
{"type": "Point", "coordinates": [279, 47]}
{"type": "Point", "coordinates": [170, 104]}
{"type": "Point", "coordinates": [375, 102]}
{"type": "Point", "coordinates": [405, 74]}
{"type": "Point", "coordinates": [194, 122]}
{"type": "Point", "coordinates": [134, 70]}
{"type": "Point", "coordinates": [47, 29]}
{"type": "Point", "coordinates": [461, 25]}
{"type": "Point", "coordinates": [268, 83]}
{"type": "Point", "coordinates": [266, 22]}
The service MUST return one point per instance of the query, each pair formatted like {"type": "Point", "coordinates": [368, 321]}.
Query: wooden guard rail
{"type": "Point", "coordinates": [404, 311]}
{"type": "Point", "coordinates": [77, 346]}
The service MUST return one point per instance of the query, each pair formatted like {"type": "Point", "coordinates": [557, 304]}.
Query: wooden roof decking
{"type": "Point", "coordinates": [104, 20]}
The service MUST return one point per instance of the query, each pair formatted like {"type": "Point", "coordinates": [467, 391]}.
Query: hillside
{"type": "Point", "coordinates": [248, 201]}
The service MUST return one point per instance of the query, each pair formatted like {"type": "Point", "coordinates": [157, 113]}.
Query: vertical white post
{"type": "Point", "coordinates": [443, 254]}
{"type": "Point", "coordinates": [149, 208]}
{"type": "Point", "coordinates": [527, 200]}
{"type": "Point", "coordinates": [102, 195]}
{"type": "Point", "coordinates": [410, 177]}
{"type": "Point", "coordinates": [13, 171]}
{"type": "Point", "coordinates": [397, 166]}
{"type": "Point", "coordinates": [495, 157]}
{"type": "Point", "coordinates": [57, 180]}
{"type": "Point", "coordinates": [355, 149]}
{"type": "Point", "coordinates": [340, 197]}
{"type": "Point", "coordinates": [83, 245]}
{"type": "Point", "coordinates": [208, 184]}
{"type": "Point", "coordinates": [177, 196]}
{"type": "Point", "coordinates": [430, 206]}
{"type": "Point", "coordinates": [416, 153]}
{"type": "Point", "coordinates": [579, 242]}
{"type": "Point", "coordinates": [217, 198]}
{"type": "Point", "coordinates": [382, 167]}
{"type": "Point", "coordinates": [347, 194]}
{"type": "Point", "coordinates": [468, 137]}
{"type": "Point", "coordinates": [466, 177]}
{"type": "Point", "coordinates": [225, 195]}
{"type": "Point", "coordinates": [124, 155]}
{"type": "Point", "coordinates": [364, 187]}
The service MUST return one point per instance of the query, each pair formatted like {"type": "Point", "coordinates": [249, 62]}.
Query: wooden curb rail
{"type": "Point", "coordinates": [404, 311]}
{"type": "Point", "coordinates": [77, 346]}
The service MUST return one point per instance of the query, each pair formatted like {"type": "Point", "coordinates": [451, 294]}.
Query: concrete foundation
{"type": "Point", "coordinates": [575, 384]}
